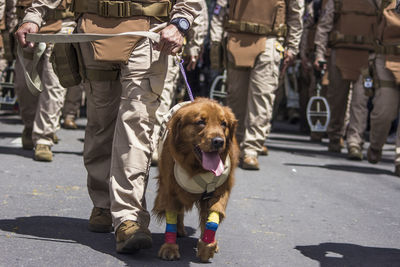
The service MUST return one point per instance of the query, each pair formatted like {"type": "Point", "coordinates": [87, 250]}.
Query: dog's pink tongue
{"type": "Point", "coordinates": [212, 162]}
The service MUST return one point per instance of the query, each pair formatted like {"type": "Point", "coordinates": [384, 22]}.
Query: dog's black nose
{"type": "Point", "coordinates": [217, 142]}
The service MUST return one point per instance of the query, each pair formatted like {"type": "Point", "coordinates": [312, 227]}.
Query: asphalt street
{"type": "Point", "coordinates": [305, 207]}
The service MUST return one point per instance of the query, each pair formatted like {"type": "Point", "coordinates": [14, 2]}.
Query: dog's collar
{"type": "Point", "coordinates": [205, 182]}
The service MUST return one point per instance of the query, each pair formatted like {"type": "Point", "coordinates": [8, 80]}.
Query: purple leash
{"type": "Point", "coordinates": [189, 90]}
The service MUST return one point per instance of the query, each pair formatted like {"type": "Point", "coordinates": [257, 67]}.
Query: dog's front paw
{"type": "Point", "coordinates": [169, 252]}
{"type": "Point", "coordinates": [206, 251]}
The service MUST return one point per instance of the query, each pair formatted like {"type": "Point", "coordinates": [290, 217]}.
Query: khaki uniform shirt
{"type": "Point", "coordinates": [197, 34]}
{"type": "Point", "coordinates": [188, 9]}
{"type": "Point", "coordinates": [294, 22]}
{"type": "Point", "coordinates": [309, 23]}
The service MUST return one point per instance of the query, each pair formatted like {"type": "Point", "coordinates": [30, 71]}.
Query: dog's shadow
{"type": "Point", "coordinates": [74, 230]}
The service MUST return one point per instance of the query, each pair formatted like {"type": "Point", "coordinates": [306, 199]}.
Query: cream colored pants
{"type": "Point", "coordinates": [42, 113]}
{"type": "Point", "coordinates": [358, 115]}
{"type": "Point", "coordinates": [166, 98]}
{"type": "Point", "coordinates": [251, 97]}
{"type": "Point", "coordinates": [118, 138]}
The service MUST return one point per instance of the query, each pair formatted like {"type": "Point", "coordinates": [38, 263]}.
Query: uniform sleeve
{"type": "Point", "coordinates": [294, 24]}
{"type": "Point", "coordinates": [188, 9]}
{"type": "Point", "coordinates": [38, 10]}
{"type": "Point", "coordinates": [324, 27]}
{"type": "Point", "coordinates": [307, 25]}
{"type": "Point", "coordinates": [198, 33]}
{"type": "Point", "coordinates": [2, 8]}
{"type": "Point", "coordinates": [217, 21]}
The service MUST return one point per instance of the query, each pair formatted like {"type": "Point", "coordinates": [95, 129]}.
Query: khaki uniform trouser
{"type": "Point", "coordinates": [166, 98]}
{"type": "Point", "coordinates": [118, 137]}
{"type": "Point", "coordinates": [358, 115]}
{"type": "Point", "coordinates": [72, 101]}
{"type": "Point", "coordinates": [42, 113]}
{"type": "Point", "coordinates": [386, 104]}
{"type": "Point", "coordinates": [251, 97]}
{"type": "Point", "coordinates": [338, 97]}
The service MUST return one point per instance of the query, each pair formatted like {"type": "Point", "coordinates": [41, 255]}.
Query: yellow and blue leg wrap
{"type": "Point", "coordinates": [171, 229]}
{"type": "Point", "coordinates": [211, 227]}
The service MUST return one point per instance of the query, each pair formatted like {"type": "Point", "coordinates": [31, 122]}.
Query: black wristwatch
{"type": "Point", "coordinates": [182, 24]}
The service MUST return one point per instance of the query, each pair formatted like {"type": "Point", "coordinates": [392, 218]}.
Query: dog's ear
{"type": "Point", "coordinates": [231, 123]}
{"type": "Point", "coordinates": [174, 126]}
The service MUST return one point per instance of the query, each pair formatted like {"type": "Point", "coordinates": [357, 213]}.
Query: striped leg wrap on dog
{"type": "Point", "coordinates": [211, 228]}
{"type": "Point", "coordinates": [171, 229]}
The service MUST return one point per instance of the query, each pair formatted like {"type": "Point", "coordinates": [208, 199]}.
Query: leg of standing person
{"type": "Point", "coordinates": [357, 122]}
{"type": "Point", "coordinates": [71, 106]}
{"type": "Point", "coordinates": [337, 96]}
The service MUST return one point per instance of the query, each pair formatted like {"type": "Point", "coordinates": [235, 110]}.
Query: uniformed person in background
{"type": "Point", "coordinates": [256, 31]}
{"type": "Point", "coordinates": [41, 114]}
{"type": "Point", "coordinates": [344, 26]}
{"type": "Point", "coordinates": [123, 79]}
{"type": "Point", "coordinates": [386, 80]}
{"type": "Point", "coordinates": [72, 104]}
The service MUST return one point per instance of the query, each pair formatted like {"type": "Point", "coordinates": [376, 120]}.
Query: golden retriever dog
{"type": "Point", "coordinates": [198, 158]}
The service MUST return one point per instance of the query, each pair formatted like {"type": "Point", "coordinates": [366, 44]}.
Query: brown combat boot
{"type": "Point", "coordinates": [43, 153]}
{"type": "Point", "coordinates": [100, 221]}
{"type": "Point", "coordinates": [27, 142]}
{"type": "Point", "coordinates": [69, 122]}
{"type": "Point", "coordinates": [335, 145]}
{"type": "Point", "coordinates": [374, 155]}
{"type": "Point", "coordinates": [264, 151]}
{"type": "Point", "coordinates": [131, 237]}
{"type": "Point", "coordinates": [354, 153]}
{"type": "Point", "coordinates": [249, 163]}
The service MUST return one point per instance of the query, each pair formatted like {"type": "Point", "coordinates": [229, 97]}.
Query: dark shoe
{"type": "Point", "coordinates": [355, 153]}
{"type": "Point", "coordinates": [335, 145]}
{"type": "Point", "coordinates": [27, 142]}
{"type": "Point", "coordinates": [374, 155]}
{"type": "Point", "coordinates": [131, 237]}
{"type": "Point", "coordinates": [43, 153]}
{"type": "Point", "coordinates": [316, 137]}
{"type": "Point", "coordinates": [397, 170]}
{"type": "Point", "coordinates": [264, 151]}
{"type": "Point", "coordinates": [69, 123]}
{"type": "Point", "coordinates": [249, 163]}
{"type": "Point", "coordinates": [100, 221]}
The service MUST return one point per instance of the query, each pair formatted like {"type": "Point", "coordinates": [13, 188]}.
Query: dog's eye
{"type": "Point", "coordinates": [201, 122]}
{"type": "Point", "coordinates": [223, 123]}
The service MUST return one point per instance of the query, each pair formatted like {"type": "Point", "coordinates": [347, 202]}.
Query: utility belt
{"type": "Point", "coordinates": [123, 9]}
{"type": "Point", "coordinates": [387, 49]}
{"type": "Point", "coordinates": [52, 14]}
{"type": "Point", "coordinates": [254, 28]}
{"type": "Point", "coordinates": [371, 81]}
{"type": "Point", "coordinates": [337, 38]}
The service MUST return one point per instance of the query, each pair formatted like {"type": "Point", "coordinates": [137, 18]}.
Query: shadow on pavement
{"type": "Point", "coordinates": [9, 135]}
{"type": "Point", "coordinates": [347, 168]}
{"type": "Point", "coordinates": [6, 150]}
{"type": "Point", "coordinates": [313, 152]}
{"type": "Point", "coordinates": [341, 254]}
{"type": "Point", "coordinates": [74, 230]}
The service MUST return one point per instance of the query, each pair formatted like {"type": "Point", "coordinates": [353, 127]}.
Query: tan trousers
{"type": "Point", "coordinates": [386, 107]}
{"type": "Point", "coordinates": [166, 98]}
{"type": "Point", "coordinates": [337, 96]}
{"type": "Point", "coordinates": [251, 97]}
{"type": "Point", "coordinates": [42, 113]}
{"type": "Point", "coordinates": [72, 101]}
{"type": "Point", "coordinates": [358, 115]}
{"type": "Point", "coordinates": [118, 139]}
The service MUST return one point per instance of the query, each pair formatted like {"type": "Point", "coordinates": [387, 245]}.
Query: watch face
{"type": "Point", "coordinates": [184, 24]}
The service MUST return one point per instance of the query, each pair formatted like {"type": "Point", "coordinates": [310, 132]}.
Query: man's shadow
{"type": "Point", "coordinates": [340, 254]}
{"type": "Point", "coordinates": [74, 230]}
